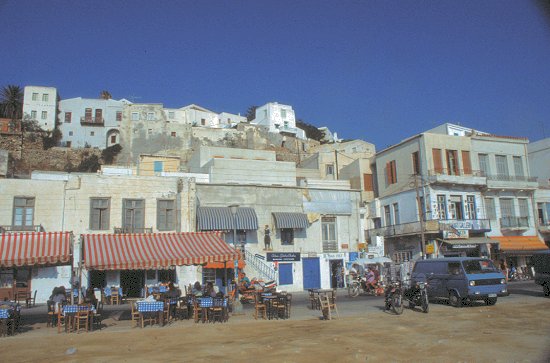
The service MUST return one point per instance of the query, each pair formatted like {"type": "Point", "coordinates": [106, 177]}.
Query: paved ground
{"type": "Point", "coordinates": [516, 329]}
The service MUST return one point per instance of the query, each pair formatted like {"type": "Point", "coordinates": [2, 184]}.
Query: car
{"type": "Point", "coordinates": [459, 279]}
{"type": "Point", "coordinates": [541, 264]}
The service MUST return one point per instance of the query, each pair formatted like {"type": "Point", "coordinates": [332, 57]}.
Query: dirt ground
{"type": "Point", "coordinates": [506, 332]}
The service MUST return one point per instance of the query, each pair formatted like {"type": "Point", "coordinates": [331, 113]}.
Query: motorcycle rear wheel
{"type": "Point", "coordinates": [353, 290]}
{"type": "Point", "coordinates": [425, 302]}
{"type": "Point", "coordinates": [397, 304]}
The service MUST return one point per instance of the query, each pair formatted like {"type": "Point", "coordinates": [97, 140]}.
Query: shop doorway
{"type": "Point", "coordinates": [98, 279]}
{"type": "Point", "coordinates": [132, 282]}
{"type": "Point", "coordinates": [336, 274]}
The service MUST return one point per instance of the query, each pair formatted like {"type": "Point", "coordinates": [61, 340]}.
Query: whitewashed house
{"type": "Point", "coordinates": [278, 118]}
{"type": "Point", "coordinates": [40, 105]}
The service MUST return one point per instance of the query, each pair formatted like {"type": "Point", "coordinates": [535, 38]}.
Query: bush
{"type": "Point", "coordinates": [108, 155]}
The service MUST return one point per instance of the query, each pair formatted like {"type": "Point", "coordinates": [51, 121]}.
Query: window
{"type": "Point", "coordinates": [452, 162]}
{"type": "Point", "coordinates": [45, 97]}
{"type": "Point", "coordinates": [33, 115]}
{"type": "Point", "coordinates": [287, 236]}
{"type": "Point", "coordinates": [368, 183]}
{"type": "Point", "coordinates": [396, 213]}
{"type": "Point", "coordinates": [98, 116]}
{"type": "Point", "coordinates": [507, 207]}
{"type": "Point", "coordinates": [329, 169]}
{"type": "Point", "coordinates": [203, 122]}
{"type": "Point", "coordinates": [68, 144]}
{"type": "Point", "coordinates": [158, 166]}
{"type": "Point", "coordinates": [391, 173]}
{"type": "Point", "coordinates": [455, 207]}
{"type": "Point", "coordinates": [99, 213]}
{"type": "Point", "coordinates": [484, 164]}
{"type": "Point", "coordinates": [518, 166]}
{"type": "Point", "coordinates": [441, 206]}
{"type": "Point", "coordinates": [502, 165]}
{"type": "Point", "coordinates": [438, 164]}
{"type": "Point", "coordinates": [415, 163]}
{"type": "Point", "coordinates": [150, 131]}
{"type": "Point", "coordinates": [173, 134]}
{"type": "Point", "coordinates": [133, 215]}
{"type": "Point", "coordinates": [88, 115]}
{"type": "Point", "coordinates": [150, 116]}
{"type": "Point", "coordinates": [35, 96]}
{"type": "Point", "coordinates": [387, 215]}
{"type": "Point", "coordinates": [44, 115]}
{"type": "Point", "coordinates": [328, 228]}
{"type": "Point", "coordinates": [523, 207]}
{"type": "Point", "coordinates": [171, 115]}
{"type": "Point", "coordinates": [491, 210]}
{"type": "Point", "coordinates": [23, 212]}
{"type": "Point", "coordinates": [119, 115]}
{"type": "Point", "coordinates": [466, 162]}
{"type": "Point", "coordinates": [135, 116]}
{"type": "Point", "coordinates": [402, 256]}
{"type": "Point", "coordinates": [70, 133]}
{"type": "Point", "coordinates": [166, 215]}
{"type": "Point", "coordinates": [68, 116]}
{"type": "Point", "coordinates": [113, 139]}
{"type": "Point", "coordinates": [470, 210]}
{"type": "Point", "coordinates": [241, 237]}
{"type": "Point", "coordinates": [283, 113]}
{"type": "Point", "coordinates": [92, 133]}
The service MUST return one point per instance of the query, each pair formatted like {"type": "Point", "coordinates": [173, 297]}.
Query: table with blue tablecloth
{"type": "Point", "coordinates": [147, 309]}
{"type": "Point", "coordinates": [9, 318]}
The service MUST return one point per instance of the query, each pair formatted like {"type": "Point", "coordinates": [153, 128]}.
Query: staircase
{"type": "Point", "coordinates": [266, 271]}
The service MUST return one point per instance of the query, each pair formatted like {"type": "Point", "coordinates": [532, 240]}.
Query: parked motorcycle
{"type": "Point", "coordinates": [394, 297]}
{"type": "Point", "coordinates": [417, 295]}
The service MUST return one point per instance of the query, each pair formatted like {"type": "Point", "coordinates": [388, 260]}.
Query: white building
{"type": "Point", "coordinates": [86, 122]}
{"type": "Point", "coordinates": [278, 118]}
{"type": "Point", "coordinates": [40, 105]}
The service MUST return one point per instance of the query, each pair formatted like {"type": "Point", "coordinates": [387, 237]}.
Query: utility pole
{"type": "Point", "coordinates": [336, 164]}
{"type": "Point", "coordinates": [421, 208]}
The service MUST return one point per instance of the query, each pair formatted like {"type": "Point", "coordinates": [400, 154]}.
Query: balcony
{"type": "Point", "coordinates": [514, 223]}
{"type": "Point", "coordinates": [431, 226]}
{"type": "Point", "coordinates": [511, 182]}
{"type": "Point", "coordinates": [120, 230]}
{"type": "Point", "coordinates": [11, 229]}
{"type": "Point", "coordinates": [287, 130]}
{"type": "Point", "coordinates": [92, 121]}
{"type": "Point", "coordinates": [446, 176]}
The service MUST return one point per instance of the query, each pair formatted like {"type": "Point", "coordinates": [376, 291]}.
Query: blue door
{"type": "Point", "coordinates": [312, 273]}
{"type": "Point", "coordinates": [285, 274]}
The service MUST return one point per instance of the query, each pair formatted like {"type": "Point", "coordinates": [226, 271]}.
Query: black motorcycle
{"type": "Point", "coordinates": [394, 297]}
{"type": "Point", "coordinates": [417, 295]}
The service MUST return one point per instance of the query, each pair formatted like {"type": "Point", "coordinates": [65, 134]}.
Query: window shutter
{"type": "Point", "coordinates": [466, 164]}
{"type": "Point", "coordinates": [388, 174]}
{"type": "Point", "coordinates": [394, 171]}
{"type": "Point", "coordinates": [367, 182]}
{"type": "Point", "coordinates": [438, 166]}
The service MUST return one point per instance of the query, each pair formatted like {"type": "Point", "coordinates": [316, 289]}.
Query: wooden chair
{"type": "Point", "coordinates": [64, 320]}
{"type": "Point", "coordinates": [52, 315]}
{"type": "Point", "coordinates": [332, 302]}
{"type": "Point", "coordinates": [182, 309]}
{"type": "Point", "coordinates": [314, 299]}
{"type": "Point", "coordinates": [166, 313]}
{"type": "Point", "coordinates": [135, 314]}
{"type": "Point", "coordinates": [115, 296]}
{"type": "Point", "coordinates": [98, 315]}
{"type": "Point", "coordinates": [198, 313]}
{"type": "Point", "coordinates": [31, 300]}
{"type": "Point", "coordinates": [325, 307]}
{"type": "Point", "coordinates": [82, 319]}
{"type": "Point", "coordinates": [259, 307]}
{"type": "Point", "coordinates": [217, 311]}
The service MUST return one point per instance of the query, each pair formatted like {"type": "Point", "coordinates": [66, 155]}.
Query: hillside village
{"type": "Point", "coordinates": [298, 210]}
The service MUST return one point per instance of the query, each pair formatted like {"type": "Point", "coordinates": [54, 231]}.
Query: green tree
{"type": "Point", "coordinates": [312, 132]}
{"type": "Point", "coordinates": [11, 102]}
{"type": "Point", "coordinates": [105, 95]}
{"type": "Point", "coordinates": [251, 113]}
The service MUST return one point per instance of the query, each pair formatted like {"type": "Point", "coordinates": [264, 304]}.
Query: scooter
{"type": "Point", "coordinates": [394, 297]}
{"type": "Point", "coordinates": [359, 285]}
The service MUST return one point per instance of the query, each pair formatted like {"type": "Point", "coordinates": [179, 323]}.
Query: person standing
{"type": "Point", "coordinates": [267, 238]}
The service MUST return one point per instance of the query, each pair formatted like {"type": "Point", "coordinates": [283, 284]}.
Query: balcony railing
{"type": "Point", "coordinates": [119, 230]}
{"type": "Point", "coordinates": [514, 222]}
{"type": "Point", "coordinates": [92, 121]}
{"type": "Point", "coordinates": [12, 228]}
{"type": "Point", "coordinates": [431, 226]}
{"type": "Point", "coordinates": [459, 172]}
{"type": "Point", "coordinates": [512, 178]}
{"type": "Point", "coordinates": [290, 130]}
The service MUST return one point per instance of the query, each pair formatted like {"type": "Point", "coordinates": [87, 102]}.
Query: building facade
{"type": "Point", "coordinates": [40, 105]}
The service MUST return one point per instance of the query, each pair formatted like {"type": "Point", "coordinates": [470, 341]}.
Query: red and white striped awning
{"type": "Point", "coordinates": [31, 248]}
{"type": "Point", "coordinates": [154, 250]}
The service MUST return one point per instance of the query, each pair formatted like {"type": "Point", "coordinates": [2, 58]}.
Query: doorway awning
{"type": "Point", "coordinates": [468, 241]}
{"type": "Point", "coordinates": [35, 248]}
{"type": "Point", "coordinates": [154, 250]}
{"type": "Point", "coordinates": [520, 244]}
{"type": "Point", "coordinates": [221, 219]}
{"type": "Point", "coordinates": [290, 220]}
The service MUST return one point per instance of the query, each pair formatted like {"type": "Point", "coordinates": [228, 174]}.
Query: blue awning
{"type": "Point", "coordinates": [290, 220]}
{"type": "Point", "coordinates": [221, 219]}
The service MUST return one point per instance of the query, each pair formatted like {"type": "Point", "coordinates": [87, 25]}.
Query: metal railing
{"type": "Point", "coordinates": [459, 172]}
{"type": "Point", "coordinates": [92, 121]}
{"type": "Point", "coordinates": [330, 246]}
{"type": "Point", "coordinates": [260, 266]}
{"type": "Point", "coordinates": [512, 178]}
{"type": "Point", "coordinates": [431, 226]}
{"type": "Point", "coordinates": [514, 222]}
{"type": "Point", "coordinates": [13, 228]}
{"type": "Point", "coordinates": [128, 229]}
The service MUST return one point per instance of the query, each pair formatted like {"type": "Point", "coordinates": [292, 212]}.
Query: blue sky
{"type": "Point", "coordinates": [380, 71]}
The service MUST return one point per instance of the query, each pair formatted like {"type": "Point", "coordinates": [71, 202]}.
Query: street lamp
{"type": "Point", "coordinates": [237, 307]}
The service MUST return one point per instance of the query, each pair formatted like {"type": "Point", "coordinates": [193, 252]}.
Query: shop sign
{"type": "Point", "coordinates": [430, 248]}
{"type": "Point", "coordinates": [463, 246]}
{"type": "Point", "coordinates": [283, 256]}
{"type": "Point", "coordinates": [334, 255]}
{"type": "Point", "coordinates": [458, 233]}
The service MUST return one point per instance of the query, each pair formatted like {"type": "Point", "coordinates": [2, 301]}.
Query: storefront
{"type": "Point", "coordinates": [34, 261]}
{"type": "Point", "coordinates": [469, 247]}
{"type": "Point", "coordinates": [517, 250]}
{"type": "Point", "coordinates": [133, 261]}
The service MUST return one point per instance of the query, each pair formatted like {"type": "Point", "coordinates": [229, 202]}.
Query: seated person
{"type": "Point", "coordinates": [90, 297]}
{"type": "Point", "coordinates": [209, 290]}
{"type": "Point", "coordinates": [370, 277]}
{"type": "Point", "coordinates": [197, 289]}
{"type": "Point", "coordinates": [173, 291]}
{"type": "Point", "coordinates": [244, 282]}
